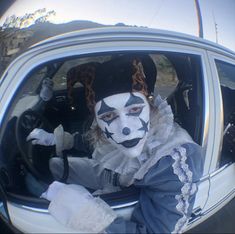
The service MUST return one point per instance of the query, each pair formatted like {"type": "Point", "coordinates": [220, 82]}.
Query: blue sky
{"type": "Point", "coordinates": [221, 12]}
{"type": "Point", "coordinates": [176, 15]}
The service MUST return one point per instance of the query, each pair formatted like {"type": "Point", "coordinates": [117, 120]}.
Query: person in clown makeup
{"type": "Point", "coordinates": [136, 143]}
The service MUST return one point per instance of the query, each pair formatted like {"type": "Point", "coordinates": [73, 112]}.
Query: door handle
{"type": "Point", "coordinates": [196, 214]}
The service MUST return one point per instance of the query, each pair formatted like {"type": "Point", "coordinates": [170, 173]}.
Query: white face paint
{"type": "Point", "coordinates": [124, 120]}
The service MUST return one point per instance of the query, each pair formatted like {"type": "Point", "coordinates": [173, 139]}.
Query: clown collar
{"type": "Point", "coordinates": [161, 139]}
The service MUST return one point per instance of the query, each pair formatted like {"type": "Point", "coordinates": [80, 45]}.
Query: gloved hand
{"type": "Point", "coordinates": [53, 190]}
{"type": "Point", "coordinates": [46, 92]}
{"type": "Point", "coordinates": [41, 137]}
{"type": "Point", "coordinates": [75, 207]}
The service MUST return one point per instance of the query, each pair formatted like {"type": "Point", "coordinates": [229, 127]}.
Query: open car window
{"type": "Point", "coordinates": [179, 81]}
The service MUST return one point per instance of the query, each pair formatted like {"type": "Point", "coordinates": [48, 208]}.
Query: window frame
{"type": "Point", "coordinates": [219, 108]}
{"type": "Point", "coordinates": [45, 53]}
{"type": "Point", "coordinates": [40, 54]}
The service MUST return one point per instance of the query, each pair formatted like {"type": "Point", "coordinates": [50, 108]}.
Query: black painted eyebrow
{"type": "Point", "coordinates": [104, 108]}
{"type": "Point", "coordinates": [134, 100]}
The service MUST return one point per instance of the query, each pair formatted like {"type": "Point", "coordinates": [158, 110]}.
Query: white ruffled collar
{"type": "Point", "coordinates": [162, 129]}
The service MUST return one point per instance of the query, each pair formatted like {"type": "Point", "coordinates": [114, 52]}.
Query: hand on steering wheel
{"type": "Point", "coordinates": [34, 154]}
{"type": "Point", "coordinates": [41, 137]}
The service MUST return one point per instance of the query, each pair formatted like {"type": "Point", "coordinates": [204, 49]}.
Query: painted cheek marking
{"type": "Point", "coordinates": [144, 125]}
{"type": "Point", "coordinates": [108, 134]}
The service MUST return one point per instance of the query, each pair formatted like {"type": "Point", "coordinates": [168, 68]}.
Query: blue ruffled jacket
{"type": "Point", "coordinates": [166, 172]}
{"type": "Point", "coordinates": [167, 194]}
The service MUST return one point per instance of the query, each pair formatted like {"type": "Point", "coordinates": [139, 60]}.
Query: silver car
{"type": "Point", "coordinates": [195, 76]}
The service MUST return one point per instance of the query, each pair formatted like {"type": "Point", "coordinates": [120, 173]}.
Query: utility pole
{"type": "Point", "coordinates": [199, 19]}
{"type": "Point", "coordinates": [216, 28]}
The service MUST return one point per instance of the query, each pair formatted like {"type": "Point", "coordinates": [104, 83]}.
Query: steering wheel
{"type": "Point", "coordinates": [35, 157]}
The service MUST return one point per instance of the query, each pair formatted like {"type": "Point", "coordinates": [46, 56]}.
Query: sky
{"type": "Point", "coordinates": [175, 15]}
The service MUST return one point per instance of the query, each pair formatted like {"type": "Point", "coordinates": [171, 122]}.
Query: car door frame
{"type": "Point", "coordinates": [113, 40]}
{"type": "Point", "coordinates": [222, 190]}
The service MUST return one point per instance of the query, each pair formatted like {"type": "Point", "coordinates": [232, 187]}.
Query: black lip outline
{"type": "Point", "coordinates": [130, 143]}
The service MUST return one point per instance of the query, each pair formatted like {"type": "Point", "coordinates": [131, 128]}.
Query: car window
{"type": "Point", "coordinates": [179, 82]}
{"type": "Point", "coordinates": [167, 79]}
{"type": "Point", "coordinates": [60, 77]}
{"type": "Point", "coordinates": [36, 78]}
{"type": "Point", "coordinates": [166, 76]}
{"type": "Point", "coordinates": [226, 74]}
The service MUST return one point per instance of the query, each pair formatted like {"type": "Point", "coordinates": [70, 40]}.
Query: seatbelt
{"type": "Point", "coordinates": [66, 167]}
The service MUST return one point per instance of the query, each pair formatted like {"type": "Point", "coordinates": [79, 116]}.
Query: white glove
{"type": "Point", "coordinates": [41, 137]}
{"type": "Point", "coordinates": [46, 92]}
{"type": "Point", "coordinates": [56, 187]}
{"type": "Point", "coordinates": [75, 207]}
{"type": "Point", "coordinates": [53, 190]}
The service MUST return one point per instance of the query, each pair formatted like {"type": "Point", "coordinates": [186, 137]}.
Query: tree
{"type": "Point", "coordinates": [39, 16]}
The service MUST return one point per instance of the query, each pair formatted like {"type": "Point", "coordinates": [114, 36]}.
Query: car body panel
{"type": "Point", "coordinates": [97, 41]}
{"type": "Point", "coordinates": [20, 216]}
{"type": "Point", "coordinates": [222, 190]}
{"type": "Point", "coordinates": [222, 187]}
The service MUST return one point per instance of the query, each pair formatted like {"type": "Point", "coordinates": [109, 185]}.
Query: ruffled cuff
{"type": "Point", "coordinates": [76, 208]}
{"type": "Point", "coordinates": [64, 140]}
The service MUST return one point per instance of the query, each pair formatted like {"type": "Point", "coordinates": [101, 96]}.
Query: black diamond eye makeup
{"type": "Point", "coordinates": [104, 108]}
{"type": "Point", "coordinates": [134, 100]}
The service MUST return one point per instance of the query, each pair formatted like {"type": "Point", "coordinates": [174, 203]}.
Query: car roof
{"type": "Point", "coordinates": [137, 33]}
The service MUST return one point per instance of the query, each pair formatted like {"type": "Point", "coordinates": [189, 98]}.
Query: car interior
{"type": "Point", "coordinates": [226, 75]}
{"type": "Point", "coordinates": [179, 81]}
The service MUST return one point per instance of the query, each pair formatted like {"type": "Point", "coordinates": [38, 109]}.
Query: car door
{"type": "Point", "coordinates": [25, 216]}
{"type": "Point", "coordinates": [222, 168]}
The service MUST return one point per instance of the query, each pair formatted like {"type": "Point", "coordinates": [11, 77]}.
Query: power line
{"type": "Point", "coordinates": [156, 13]}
